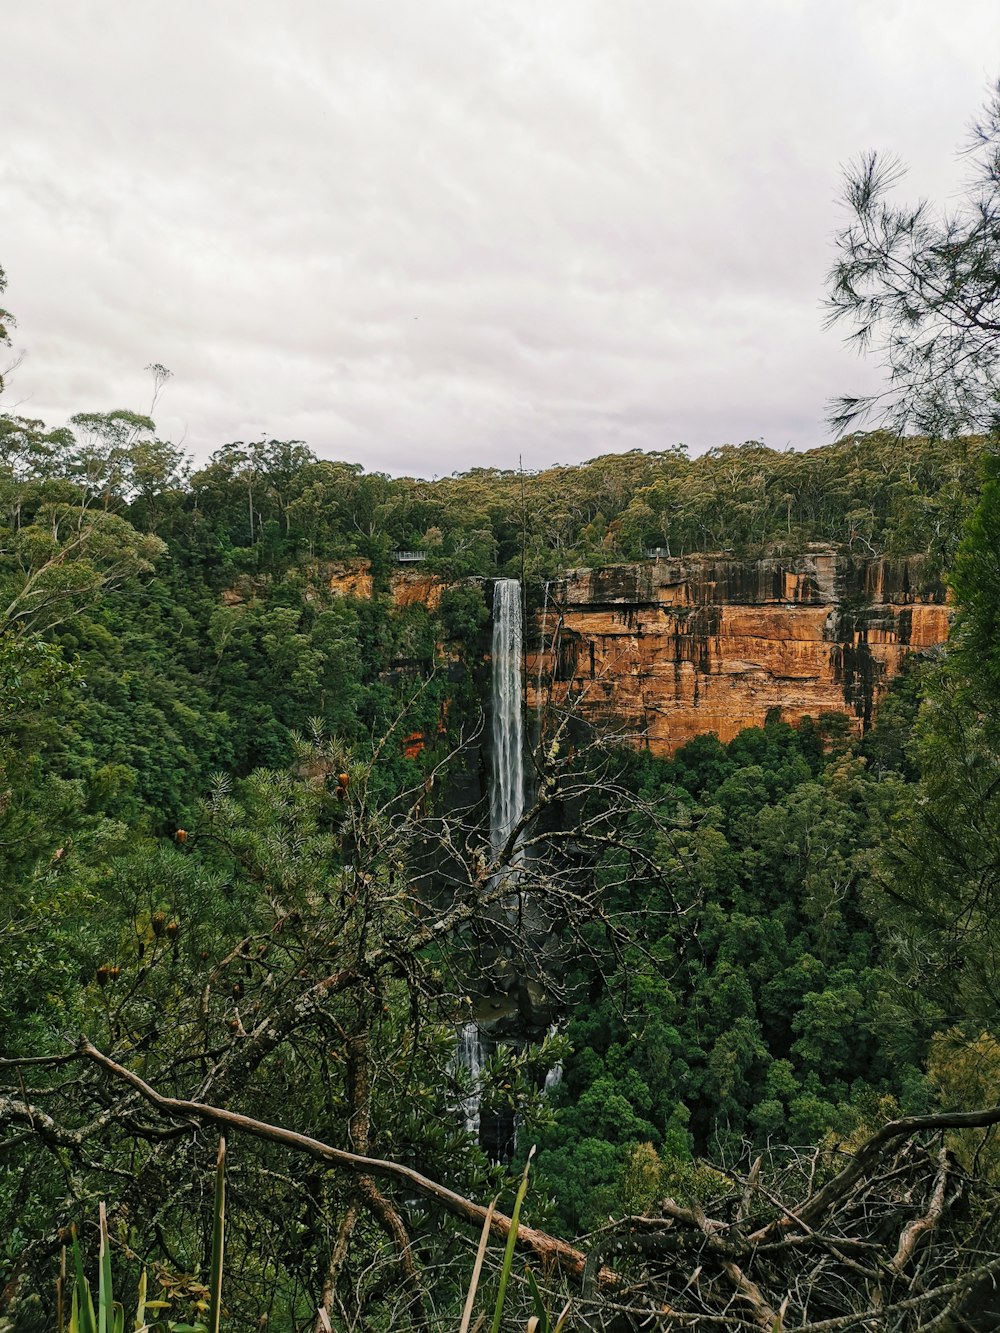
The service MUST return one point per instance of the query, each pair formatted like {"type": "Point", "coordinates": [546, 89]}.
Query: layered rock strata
{"type": "Point", "coordinates": [663, 651]}
{"type": "Point", "coordinates": [353, 578]}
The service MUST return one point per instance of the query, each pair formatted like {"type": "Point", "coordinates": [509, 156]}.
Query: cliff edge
{"type": "Point", "coordinates": [662, 651]}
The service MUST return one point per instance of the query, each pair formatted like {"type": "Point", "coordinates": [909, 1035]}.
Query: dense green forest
{"type": "Point", "coordinates": [770, 967]}
{"type": "Point", "coordinates": [210, 818]}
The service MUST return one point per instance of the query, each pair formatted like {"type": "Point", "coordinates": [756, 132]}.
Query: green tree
{"type": "Point", "coordinates": [922, 289]}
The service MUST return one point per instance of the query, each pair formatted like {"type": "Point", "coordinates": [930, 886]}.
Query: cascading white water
{"type": "Point", "coordinates": [470, 1056]}
{"type": "Point", "coordinates": [553, 1076]}
{"type": "Point", "coordinates": [506, 796]}
{"type": "Point", "coordinates": [507, 787]}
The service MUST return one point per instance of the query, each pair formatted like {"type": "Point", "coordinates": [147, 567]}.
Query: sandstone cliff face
{"type": "Point", "coordinates": [353, 578]}
{"type": "Point", "coordinates": [409, 587]}
{"type": "Point", "coordinates": [660, 652]}
{"type": "Point", "coordinates": [657, 653]}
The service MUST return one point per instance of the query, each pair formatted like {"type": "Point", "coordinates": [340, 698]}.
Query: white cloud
{"type": "Point", "coordinates": [423, 235]}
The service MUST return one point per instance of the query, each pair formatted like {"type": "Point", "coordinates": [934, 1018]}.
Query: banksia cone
{"type": "Point", "coordinates": [343, 779]}
{"type": "Point", "coordinates": [181, 835]}
{"type": "Point", "coordinates": [173, 928]}
{"type": "Point", "coordinates": [159, 923]}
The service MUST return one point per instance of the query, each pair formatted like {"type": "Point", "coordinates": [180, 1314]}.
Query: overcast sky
{"type": "Point", "coordinates": [432, 234]}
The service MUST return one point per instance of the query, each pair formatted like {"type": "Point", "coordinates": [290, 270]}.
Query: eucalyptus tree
{"type": "Point", "coordinates": [921, 288]}
{"type": "Point", "coordinates": [281, 973]}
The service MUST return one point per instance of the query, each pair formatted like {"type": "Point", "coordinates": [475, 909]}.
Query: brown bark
{"type": "Point", "coordinates": [866, 1157]}
{"type": "Point", "coordinates": [323, 1323]}
{"type": "Point", "coordinates": [922, 1226]}
{"type": "Point", "coordinates": [549, 1249]}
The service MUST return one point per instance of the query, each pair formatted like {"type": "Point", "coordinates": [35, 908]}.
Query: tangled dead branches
{"type": "Point", "coordinates": [892, 1234]}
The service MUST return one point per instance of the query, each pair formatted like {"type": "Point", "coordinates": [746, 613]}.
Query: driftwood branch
{"type": "Point", "coordinates": [869, 1154]}
{"type": "Point", "coordinates": [922, 1226]}
{"type": "Point", "coordinates": [547, 1248]}
{"type": "Point", "coordinates": [829, 1262]}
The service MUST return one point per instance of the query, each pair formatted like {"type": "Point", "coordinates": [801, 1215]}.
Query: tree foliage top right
{"type": "Point", "coordinates": [921, 286]}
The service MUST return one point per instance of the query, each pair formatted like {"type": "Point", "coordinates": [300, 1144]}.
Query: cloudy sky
{"type": "Point", "coordinates": [431, 234]}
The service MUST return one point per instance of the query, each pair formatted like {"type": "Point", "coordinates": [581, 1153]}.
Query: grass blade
{"type": "Point", "coordinates": [86, 1318]}
{"type": "Point", "coordinates": [477, 1269]}
{"type": "Point", "coordinates": [140, 1309]}
{"type": "Point", "coordinates": [218, 1242]}
{"type": "Point", "coordinates": [563, 1316]}
{"type": "Point", "coordinates": [105, 1293]}
{"type": "Point", "coordinates": [508, 1256]}
{"type": "Point", "coordinates": [61, 1292]}
{"type": "Point", "coordinates": [536, 1299]}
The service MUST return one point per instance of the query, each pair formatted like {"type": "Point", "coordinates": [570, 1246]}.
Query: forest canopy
{"type": "Point", "coordinates": [263, 504]}
{"type": "Point", "coordinates": [228, 865]}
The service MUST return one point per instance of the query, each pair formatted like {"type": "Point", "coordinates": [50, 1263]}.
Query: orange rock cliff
{"type": "Point", "coordinates": [659, 652]}
{"type": "Point", "coordinates": [663, 651]}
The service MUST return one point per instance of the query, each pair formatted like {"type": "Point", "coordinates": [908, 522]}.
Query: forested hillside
{"type": "Point", "coordinates": [218, 641]}
{"type": "Point", "coordinates": [226, 864]}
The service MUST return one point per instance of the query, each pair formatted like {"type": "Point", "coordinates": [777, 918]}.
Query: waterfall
{"type": "Point", "coordinates": [553, 1076]}
{"type": "Point", "coordinates": [506, 809]}
{"type": "Point", "coordinates": [507, 787]}
{"type": "Point", "coordinates": [470, 1056]}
